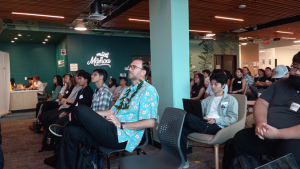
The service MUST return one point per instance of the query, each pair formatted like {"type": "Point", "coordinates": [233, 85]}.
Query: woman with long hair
{"type": "Point", "coordinates": [261, 74]}
{"type": "Point", "coordinates": [198, 89]}
{"type": "Point", "coordinates": [112, 84]}
{"type": "Point", "coordinates": [238, 83]}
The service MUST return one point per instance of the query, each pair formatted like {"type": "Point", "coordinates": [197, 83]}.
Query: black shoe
{"type": "Point", "coordinates": [56, 130]}
{"type": "Point", "coordinates": [51, 161]}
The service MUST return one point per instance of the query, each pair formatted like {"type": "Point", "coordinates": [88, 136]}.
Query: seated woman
{"type": "Point", "coordinates": [238, 84]}
{"type": "Point", "coordinates": [219, 111]}
{"type": "Point", "coordinates": [261, 74]}
{"type": "Point", "coordinates": [198, 89]}
{"type": "Point", "coordinates": [112, 84]}
{"type": "Point", "coordinates": [58, 83]}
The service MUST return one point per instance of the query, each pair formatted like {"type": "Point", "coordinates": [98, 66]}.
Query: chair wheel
{"type": "Point", "coordinates": [123, 154]}
{"type": "Point", "coordinates": [117, 154]}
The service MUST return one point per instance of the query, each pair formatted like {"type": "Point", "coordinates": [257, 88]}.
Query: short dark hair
{"type": "Point", "coordinates": [113, 83]}
{"type": "Point", "coordinates": [85, 75]}
{"type": "Point", "coordinates": [102, 72]}
{"type": "Point", "coordinates": [37, 77]}
{"type": "Point", "coordinates": [296, 58]}
{"type": "Point", "coordinates": [145, 65]}
{"type": "Point", "coordinates": [248, 70]}
{"type": "Point", "coordinates": [268, 68]}
{"type": "Point", "coordinates": [220, 78]}
{"type": "Point", "coordinates": [240, 69]}
{"type": "Point", "coordinates": [262, 70]}
{"type": "Point", "coordinates": [288, 68]}
{"type": "Point", "coordinates": [206, 71]}
{"type": "Point", "coordinates": [78, 71]}
{"type": "Point", "coordinates": [217, 71]}
{"type": "Point", "coordinates": [31, 78]}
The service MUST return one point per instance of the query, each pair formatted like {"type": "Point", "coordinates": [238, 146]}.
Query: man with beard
{"type": "Point", "coordinates": [121, 127]}
{"type": "Point", "coordinates": [277, 118]}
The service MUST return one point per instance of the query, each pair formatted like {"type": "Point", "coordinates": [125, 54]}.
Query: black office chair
{"type": "Point", "coordinates": [109, 151]}
{"type": "Point", "coordinates": [170, 156]}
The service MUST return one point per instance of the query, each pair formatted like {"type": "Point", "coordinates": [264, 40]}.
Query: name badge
{"type": "Point", "coordinates": [81, 96]}
{"type": "Point", "coordinates": [67, 92]}
{"type": "Point", "coordinates": [76, 104]}
{"type": "Point", "coordinates": [267, 80]}
{"type": "Point", "coordinates": [224, 105]}
{"type": "Point", "coordinates": [239, 81]}
{"type": "Point", "coordinates": [295, 106]}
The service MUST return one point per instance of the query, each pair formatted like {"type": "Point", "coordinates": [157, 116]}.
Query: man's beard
{"type": "Point", "coordinates": [294, 81]}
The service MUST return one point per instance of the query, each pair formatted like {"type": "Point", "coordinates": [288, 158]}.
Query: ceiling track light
{"type": "Point", "coordinates": [139, 20]}
{"type": "Point", "coordinates": [284, 32]}
{"type": "Point", "coordinates": [200, 31]}
{"type": "Point", "coordinates": [42, 15]}
{"type": "Point", "coordinates": [287, 38]}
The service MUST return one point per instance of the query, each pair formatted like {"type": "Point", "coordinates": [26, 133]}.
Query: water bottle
{"type": "Point", "coordinates": [35, 126]}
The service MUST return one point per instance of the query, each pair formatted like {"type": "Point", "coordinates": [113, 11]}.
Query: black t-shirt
{"type": "Point", "coordinates": [265, 79]}
{"type": "Point", "coordinates": [84, 97]}
{"type": "Point", "coordinates": [280, 97]}
{"type": "Point", "coordinates": [196, 89]}
{"type": "Point", "coordinates": [237, 84]}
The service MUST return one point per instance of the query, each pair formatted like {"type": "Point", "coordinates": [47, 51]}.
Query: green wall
{"type": "Point", "coordinates": [61, 60]}
{"type": "Point", "coordinates": [27, 60]}
{"type": "Point", "coordinates": [82, 47]}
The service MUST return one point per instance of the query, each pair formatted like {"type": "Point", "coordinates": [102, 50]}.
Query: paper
{"type": "Point", "coordinates": [218, 66]}
{"type": "Point", "coordinates": [254, 64]}
{"type": "Point", "coordinates": [73, 66]}
{"type": "Point", "coordinates": [251, 63]}
{"type": "Point", "coordinates": [193, 67]}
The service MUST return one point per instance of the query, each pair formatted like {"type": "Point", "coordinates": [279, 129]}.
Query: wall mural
{"type": "Point", "coordinates": [191, 67]}
{"type": "Point", "coordinates": [207, 54]}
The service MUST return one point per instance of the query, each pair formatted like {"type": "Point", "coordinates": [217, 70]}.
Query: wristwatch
{"type": "Point", "coordinates": [122, 125]}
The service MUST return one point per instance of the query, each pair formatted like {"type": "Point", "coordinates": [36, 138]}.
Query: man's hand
{"type": "Point", "coordinates": [60, 102]}
{"type": "Point", "coordinates": [65, 104]}
{"type": "Point", "coordinates": [62, 114]}
{"type": "Point", "coordinates": [113, 119]}
{"type": "Point", "coordinates": [70, 117]}
{"type": "Point", "coordinates": [210, 120]}
{"type": "Point", "coordinates": [260, 130]}
{"type": "Point", "coordinates": [270, 132]}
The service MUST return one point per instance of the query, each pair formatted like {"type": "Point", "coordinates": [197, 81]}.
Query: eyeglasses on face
{"type": "Point", "coordinates": [132, 67]}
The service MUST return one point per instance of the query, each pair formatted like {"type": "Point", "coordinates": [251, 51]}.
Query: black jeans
{"type": "Point", "coordinates": [49, 105]}
{"type": "Point", "coordinates": [246, 142]}
{"type": "Point", "coordinates": [195, 124]}
{"type": "Point", "coordinates": [37, 109]}
{"type": "Point", "coordinates": [89, 128]}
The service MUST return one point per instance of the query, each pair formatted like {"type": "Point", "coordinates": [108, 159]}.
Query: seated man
{"type": "Point", "coordinates": [120, 127]}
{"type": "Point", "coordinates": [276, 114]}
{"type": "Point", "coordinates": [208, 91]}
{"type": "Point", "coordinates": [37, 85]}
{"type": "Point", "coordinates": [219, 111]}
{"type": "Point", "coordinates": [30, 83]}
{"type": "Point", "coordinates": [119, 90]}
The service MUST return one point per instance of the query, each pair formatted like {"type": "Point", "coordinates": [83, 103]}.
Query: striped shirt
{"type": "Point", "coordinates": [102, 98]}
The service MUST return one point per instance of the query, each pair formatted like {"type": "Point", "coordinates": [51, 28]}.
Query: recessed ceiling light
{"type": "Point", "coordinates": [242, 6]}
{"type": "Point", "coordinates": [49, 36]}
{"type": "Point", "coordinates": [80, 27]}
{"type": "Point", "coordinates": [297, 41]}
{"type": "Point", "coordinates": [235, 19]}
{"type": "Point", "coordinates": [210, 34]}
{"type": "Point", "coordinates": [200, 31]}
{"type": "Point", "coordinates": [287, 38]}
{"type": "Point", "coordinates": [44, 42]}
{"type": "Point", "coordinates": [284, 32]}
{"type": "Point", "coordinates": [243, 43]}
{"type": "Point", "coordinates": [46, 39]}
{"type": "Point", "coordinates": [19, 35]}
{"type": "Point", "coordinates": [262, 51]}
{"type": "Point", "coordinates": [16, 38]}
{"type": "Point", "coordinates": [12, 41]}
{"type": "Point", "coordinates": [31, 14]}
{"type": "Point", "coordinates": [140, 20]}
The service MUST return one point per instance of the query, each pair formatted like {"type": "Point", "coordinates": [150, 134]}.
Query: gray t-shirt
{"type": "Point", "coordinates": [120, 89]}
{"type": "Point", "coordinates": [280, 96]}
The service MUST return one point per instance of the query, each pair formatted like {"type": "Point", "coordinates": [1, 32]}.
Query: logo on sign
{"type": "Point", "coordinates": [101, 59]}
{"type": "Point", "coordinates": [63, 52]}
{"type": "Point", "coordinates": [61, 63]}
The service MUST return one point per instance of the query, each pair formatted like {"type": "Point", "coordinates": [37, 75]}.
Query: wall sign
{"type": "Point", "coordinates": [63, 52]}
{"type": "Point", "coordinates": [73, 67]}
{"type": "Point", "coordinates": [61, 63]}
{"type": "Point", "coordinates": [101, 59]}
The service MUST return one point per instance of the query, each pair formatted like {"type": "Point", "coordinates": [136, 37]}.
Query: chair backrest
{"type": "Point", "coordinates": [44, 85]}
{"type": "Point", "coordinates": [169, 132]}
{"type": "Point", "coordinates": [242, 101]}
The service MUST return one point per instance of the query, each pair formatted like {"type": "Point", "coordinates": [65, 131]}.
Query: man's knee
{"type": "Point", "coordinates": [81, 110]}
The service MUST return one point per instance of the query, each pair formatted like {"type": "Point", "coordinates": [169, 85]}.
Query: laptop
{"type": "Point", "coordinates": [20, 86]}
{"type": "Point", "coordinates": [285, 162]}
{"type": "Point", "coordinates": [193, 106]}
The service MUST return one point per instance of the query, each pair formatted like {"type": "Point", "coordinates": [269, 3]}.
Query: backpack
{"type": "Point", "coordinates": [90, 157]}
{"type": "Point", "coordinates": [229, 161]}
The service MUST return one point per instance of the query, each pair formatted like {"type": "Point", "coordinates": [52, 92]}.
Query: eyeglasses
{"type": "Point", "coordinates": [294, 68]}
{"type": "Point", "coordinates": [132, 67]}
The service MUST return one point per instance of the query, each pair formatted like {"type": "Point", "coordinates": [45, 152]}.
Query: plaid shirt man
{"type": "Point", "coordinates": [102, 98]}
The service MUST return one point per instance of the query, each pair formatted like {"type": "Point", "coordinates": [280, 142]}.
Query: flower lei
{"type": "Point", "coordinates": [126, 105]}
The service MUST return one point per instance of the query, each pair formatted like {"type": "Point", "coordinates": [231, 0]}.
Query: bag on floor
{"type": "Point", "coordinates": [245, 162]}
{"type": "Point", "coordinates": [90, 157]}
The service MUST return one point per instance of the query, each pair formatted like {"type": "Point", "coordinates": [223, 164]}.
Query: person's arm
{"type": "Point", "coordinates": [231, 115]}
{"type": "Point", "coordinates": [34, 86]}
{"type": "Point", "coordinates": [285, 133]}
{"type": "Point", "coordinates": [116, 98]}
{"type": "Point", "coordinates": [201, 92]}
{"type": "Point", "coordinates": [138, 125]}
{"type": "Point", "coordinates": [243, 85]}
{"type": "Point", "coordinates": [228, 82]}
{"type": "Point", "coordinates": [71, 101]}
{"type": "Point", "coordinates": [260, 112]}
{"type": "Point", "coordinates": [104, 113]}
{"type": "Point", "coordinates": [266, 83]}
{"type": "Point", "coordinates": [55, 93]}
{"type": "Point", "coordinates": [59, 96]}
{"type": "Point", "coordinates": [230, 89]}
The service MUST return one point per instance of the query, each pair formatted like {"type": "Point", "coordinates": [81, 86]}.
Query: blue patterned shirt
{"type": "Point", "coordinates": [249, 80]}
{"type": "Point", "coordinates": [142, 106]}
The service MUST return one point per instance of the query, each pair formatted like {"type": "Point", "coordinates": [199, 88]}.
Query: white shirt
{"type": "Point", "coordinates": [209, 91]}
{"type": "Point", "coordinates": [62, 91]}
{"type": "Point", "coordinates": [39, 86]}
{"type": "Point", "coordinates": [206, 80]}
{"type": "Point", "coordinates": [213, 113]}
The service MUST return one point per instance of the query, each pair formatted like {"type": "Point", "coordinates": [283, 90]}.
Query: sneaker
{"type": "Point", "coordinates": [56, 130]}
{"type": "Point", "coordinates": [186, 165]}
